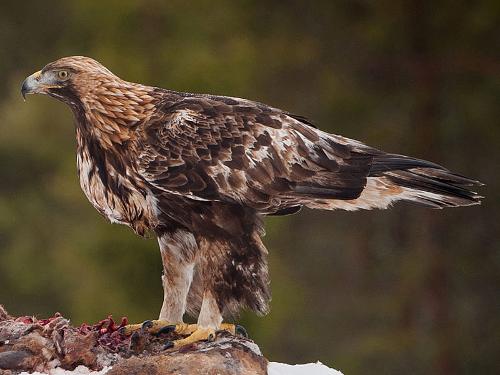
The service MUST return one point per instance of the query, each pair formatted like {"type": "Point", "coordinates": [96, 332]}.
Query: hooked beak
{"type": "Point", "coordinates": [38, 83]}
{"type": "Point", "coordinates": [31, 85]}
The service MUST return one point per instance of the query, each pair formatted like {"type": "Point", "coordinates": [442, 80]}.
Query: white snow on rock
{"type": "Point", "coordinates": [80, 370]}
{"type": "Point", "coordinates": [275, 368]}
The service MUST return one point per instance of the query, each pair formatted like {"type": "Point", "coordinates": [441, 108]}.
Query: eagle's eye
{"type": "Point", "coordinates": [63, 75]}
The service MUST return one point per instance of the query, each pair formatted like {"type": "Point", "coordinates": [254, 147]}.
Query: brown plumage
{"type": "Point", "coordinates": [200, 171]}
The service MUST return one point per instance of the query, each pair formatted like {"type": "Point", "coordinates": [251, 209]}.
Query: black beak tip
{"type": "Point", "coordinates": [24, 89]}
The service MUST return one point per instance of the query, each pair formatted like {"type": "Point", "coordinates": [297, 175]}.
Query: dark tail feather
{"type": "Point", "coordinates": [424, 182]}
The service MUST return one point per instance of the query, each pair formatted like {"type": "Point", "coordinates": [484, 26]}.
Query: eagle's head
{"type": "Point", "coordinates": [100, 100]}
{"type": "Point", "coordinates": [68, 79]}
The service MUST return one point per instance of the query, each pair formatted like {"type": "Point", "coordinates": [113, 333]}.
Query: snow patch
{"type": "Point", "coordinates": [275, 368]}
{"type": "Point", "coordinates": [80, 370]}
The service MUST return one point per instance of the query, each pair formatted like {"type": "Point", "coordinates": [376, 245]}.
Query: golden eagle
{"type": "Point", "coordinates": [201, 172]}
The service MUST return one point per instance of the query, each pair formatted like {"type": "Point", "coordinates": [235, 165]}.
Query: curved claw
{"type": "Point", "coordinates": [199, 334]}
{"type": "Point", "coordinates": [146, 325]}
{"type": "Point", "coordinates": [166, 330]}
{"type": "Point", "coordinates": [168, 345]}
{"type": "Point", "coordinates": [240, 330]}
{"type": "Point", "coordinates": [137, 342]}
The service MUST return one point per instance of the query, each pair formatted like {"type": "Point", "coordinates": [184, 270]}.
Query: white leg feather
{"type": "Point", "coordinates": [177, 251]}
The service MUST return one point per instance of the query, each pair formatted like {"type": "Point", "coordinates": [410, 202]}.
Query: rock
{"type": "Point", "coordinates": [228, 355]}
{"type": "Point", "coordinates": [13, 359]}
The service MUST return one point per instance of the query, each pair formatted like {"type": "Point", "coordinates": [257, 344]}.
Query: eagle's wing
{"type": "Point", "coordinates": [234, 150]}
{"type": "Point", "coordinates": [238, 151]}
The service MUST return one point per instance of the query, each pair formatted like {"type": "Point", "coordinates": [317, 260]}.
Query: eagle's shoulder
{"type": "Point", "coordinates": [178, 105]}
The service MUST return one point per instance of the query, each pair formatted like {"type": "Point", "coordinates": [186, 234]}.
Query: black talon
{"type": "Point", "coordinates": [240, 330]}
{"type": "Point", "coordinates": [211, 337]}
{"type": "Point", "coordinates": [146, 325]}
{"type": "Point", "coordinates": [166, 330]}
{"type": "Point", "coordinates": [137, 342]}
{"type": "Point", "coordinates": [168, 345]}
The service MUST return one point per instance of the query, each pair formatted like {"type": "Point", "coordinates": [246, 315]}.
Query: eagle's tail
{"type": "Point", "coordinates": [393, 178]}
{"type": "Point", "coordinates": [423, 182]}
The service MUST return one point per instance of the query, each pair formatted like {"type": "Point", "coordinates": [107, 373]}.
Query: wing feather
{"type": "Point", "coordinates": [235, 150]}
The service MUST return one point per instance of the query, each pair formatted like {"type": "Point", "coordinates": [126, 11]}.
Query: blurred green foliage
{"type": "Point", "coordinates": [407, 290]}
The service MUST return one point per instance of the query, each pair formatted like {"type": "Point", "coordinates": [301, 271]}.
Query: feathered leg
{"type": "Point", "coordinates": [226, 271]}
{"type": "Point", "coordinates": [177, 250]}
{"type": "Point", "coordinates": [227, 280]}
{"type": "Point", "coordinates": [177, 253]}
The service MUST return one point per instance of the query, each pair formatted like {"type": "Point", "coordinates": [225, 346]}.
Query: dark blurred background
{"type": "Point", "coordinates": [408, 290]}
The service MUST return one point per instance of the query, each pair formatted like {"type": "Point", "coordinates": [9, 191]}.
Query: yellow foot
{"type": "Point", "coordinates": [193, 333]}
{"type": "Point", "coordinates": [151, 326]}
{"type": "Point", "coordinates": [198, 334]}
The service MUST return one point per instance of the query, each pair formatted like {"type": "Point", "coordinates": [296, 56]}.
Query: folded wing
{"type": "Point", "coordinates": [238, 151]}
